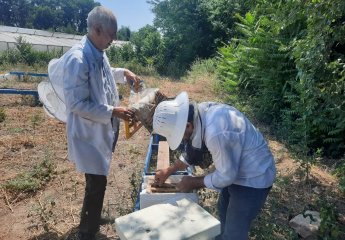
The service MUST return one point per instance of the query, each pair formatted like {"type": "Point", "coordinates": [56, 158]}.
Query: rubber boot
{"type": "Point", "coordinates": [92, 205]}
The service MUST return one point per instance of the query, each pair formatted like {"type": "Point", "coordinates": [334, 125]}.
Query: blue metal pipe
{"type": "Point", "coordinates": [29, 74]}
{"type": "Point", "coordinates": [146, 166]}
{"type": "Point", "coordinates": [18, 91]}
{"type": "Point", "coordinates": [148, 157]}
{"type": "Point", "coordinates": [21, 92]}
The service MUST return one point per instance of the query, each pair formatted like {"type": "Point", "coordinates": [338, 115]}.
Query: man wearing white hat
{"type": "Point", "coordinates": [244, 165]}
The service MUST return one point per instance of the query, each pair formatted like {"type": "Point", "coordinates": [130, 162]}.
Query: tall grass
{"type": "Point", "coordinates": [201, 68]}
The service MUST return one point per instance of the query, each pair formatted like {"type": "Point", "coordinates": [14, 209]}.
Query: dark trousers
{"type": "Point", "coordinates": [93, 203]}
{"type": "Point", "coordinates": [238, 206]}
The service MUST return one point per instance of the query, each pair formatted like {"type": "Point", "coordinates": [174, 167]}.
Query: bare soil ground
{"type": "Point", "coordinates": [28, 137]}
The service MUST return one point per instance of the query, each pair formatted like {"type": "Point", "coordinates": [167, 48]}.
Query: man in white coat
{"type": "Point", "coordinates": [92, 100]}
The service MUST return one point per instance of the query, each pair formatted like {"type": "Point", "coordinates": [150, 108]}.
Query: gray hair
{"type": "Point", "coordinates": [101, 16]}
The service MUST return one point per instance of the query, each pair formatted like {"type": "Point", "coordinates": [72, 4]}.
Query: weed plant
{"type": "Point", "coordinates": [34, 179]}
{"type": "Point", "coordinates": [340, 173]}
{"type": "Point", "coordinates": [201, 69]}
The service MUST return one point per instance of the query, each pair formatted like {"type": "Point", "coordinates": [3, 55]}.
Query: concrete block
{"type": "Point", "coordinates": [148, 199]}
{"type": "Point", "coordinates": [176, 220]}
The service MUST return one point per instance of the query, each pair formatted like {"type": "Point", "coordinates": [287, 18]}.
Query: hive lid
{"type": "Point", "coordinates": [177, 219]}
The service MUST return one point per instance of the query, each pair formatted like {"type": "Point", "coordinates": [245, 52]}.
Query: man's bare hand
{"type": "Point", "coordinates": [124, 113]}
{"type": "Point", "coordinates": [162, 175]}
{"type": "Point", "coordinates": [132, 76]}
{"type": "Point", "coordinates": [189, 183]}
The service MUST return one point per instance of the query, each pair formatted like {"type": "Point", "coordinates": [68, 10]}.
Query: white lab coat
{"type": "Point", "coordinates": [89, 105]}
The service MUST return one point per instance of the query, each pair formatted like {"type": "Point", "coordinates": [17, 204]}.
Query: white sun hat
{"type": "Point", "coordinates": [170, 119]}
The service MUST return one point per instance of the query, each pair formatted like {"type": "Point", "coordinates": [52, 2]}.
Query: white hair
{"type": "Point", "coordinates": [101, 16]}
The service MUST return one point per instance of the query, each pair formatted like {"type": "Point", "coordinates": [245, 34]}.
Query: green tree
{"type": "Point", "coordinates": [221, 15]}
{"type": "Point", "coordinates": [83, 7]}
{"type": "Point", "coordinates": [124, 34]}
{"type": "Point", "coordinates": [194, 29]}
{"type": "Point", "coordinates": [15, 12]}
{"type": "Point", "coordinates": [148, 44]}
{"type": "Point", "coordinates": [186, 33]}
{"type": "Point", "coordinates": [44, 18]}
{"type": "Point", "coordinates": [47, 14]}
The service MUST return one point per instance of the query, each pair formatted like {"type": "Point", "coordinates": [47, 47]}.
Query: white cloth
{"type": "Point", "coordinates": [239, 151]}
{"type": "Point", "coordinates": [90, 94]}
{"type": "Point", "coordinates": [51, 92]}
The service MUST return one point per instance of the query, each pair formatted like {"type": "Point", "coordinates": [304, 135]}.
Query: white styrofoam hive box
{"type": "Point", "coordinates": [148, 199]}
{"type": "Point", "coordinates": [176, 220]}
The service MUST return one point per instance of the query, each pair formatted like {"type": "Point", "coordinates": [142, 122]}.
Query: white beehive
{"type": "Point", "coordinates": [176, 220]}
{"type": "Point", "coordinates": [148, 198]}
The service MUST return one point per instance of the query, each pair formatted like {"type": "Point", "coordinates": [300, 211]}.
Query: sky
{"type": "Point", "coordinates": [134, 14]}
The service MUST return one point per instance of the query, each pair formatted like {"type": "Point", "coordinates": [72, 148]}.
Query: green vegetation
{"type": "Point", "coordinates": [16, 130]}
{"type": "Point", "coordinates": [33, 180]}
{"type": "Point", "coordinates": [340, 173]}
{"type": "Point", "coordinates": [201, 69]}
{"type": "Point", "coordinates": [25, 54]}
{"type": "Point", "coordinates": [35, 120]}
{"type": "Point", "coordinates": [329, 228]}
{"type": "Point", "coordinates": [289, 66]}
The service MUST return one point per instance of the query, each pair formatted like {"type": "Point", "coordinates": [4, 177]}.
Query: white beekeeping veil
{"type": "Point", "coordinates": [51, 91]}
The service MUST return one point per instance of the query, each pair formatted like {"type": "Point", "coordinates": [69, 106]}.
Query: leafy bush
{"type": "Point", "coordinates": [329, 227]}
{"type": "Point", "coordinates": [256, 67]}
{"type": "Point", "coordinates": [126, 57]}
{"type": "Point", "coordinates": [10, 56]}
{"type": "Point", "coordinates": [340, 173]}
{"type": "Point", "coordinates": [289, 65]}
{"type": "Point", "coordinates": [120, 54]}
{"type": "Point", "coordinates": [24, 53]}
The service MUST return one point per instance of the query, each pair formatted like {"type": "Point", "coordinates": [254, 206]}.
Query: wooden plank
{"type": "Point", "coordinates": [164, 185]}
{"type": "Point", "coordinates": [163, 155]}
{"type": "Point", "coordinates": [164, 188]}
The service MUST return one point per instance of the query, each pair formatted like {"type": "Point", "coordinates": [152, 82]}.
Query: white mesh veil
{"type": "Point", "coordinates": [51, 91]}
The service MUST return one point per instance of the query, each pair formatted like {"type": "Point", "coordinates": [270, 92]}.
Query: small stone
{"type": "Point", "coordinates": [306, 224]}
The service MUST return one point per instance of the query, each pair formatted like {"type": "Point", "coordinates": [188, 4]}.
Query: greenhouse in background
{"type": "Point", "coordinates": [39, 39]}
